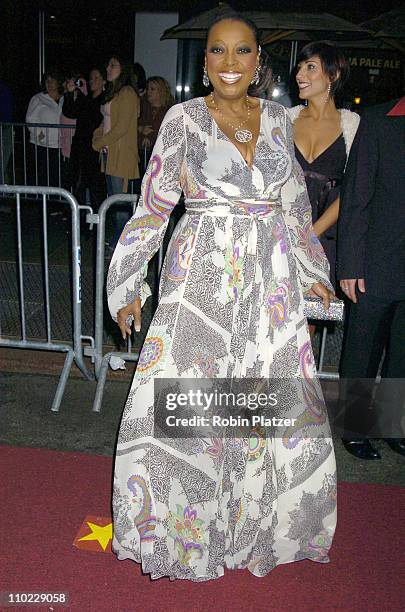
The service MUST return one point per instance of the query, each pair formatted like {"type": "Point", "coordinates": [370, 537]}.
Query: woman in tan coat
{"type": "Point", "coordinates": [116, 137]}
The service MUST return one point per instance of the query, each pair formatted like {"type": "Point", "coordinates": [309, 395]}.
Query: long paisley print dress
{"type": "Point", "coordinates": [231, 306]}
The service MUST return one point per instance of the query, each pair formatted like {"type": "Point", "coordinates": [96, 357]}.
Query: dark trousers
{"type": "Point", "coordinates": [85, 174]}
{"type": "Point", "coordinates": [372, 325]}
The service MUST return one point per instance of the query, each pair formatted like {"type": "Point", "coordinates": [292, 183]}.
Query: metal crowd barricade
{"type": "Point", "coordinates": [325, 374]}
{"type": "Point", "coordinates": [74, 351]}
{"type": "Point", "coordinates": [101, 362]}
{"type": "Point", "coordinates": [25, 163]}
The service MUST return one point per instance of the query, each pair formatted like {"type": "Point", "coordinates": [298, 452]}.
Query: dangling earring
{"type": "Point", "coordinates": [206, 81]}
{"type": "Point", "coordinates": [305, 102]}
{"type": "Point", "coordinates": [256, 76]}
{"type": "Point", "coordinates": [328, 93]}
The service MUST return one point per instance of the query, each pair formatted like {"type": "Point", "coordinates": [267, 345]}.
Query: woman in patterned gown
{"type": "Point", "coordinates": [231, 306]}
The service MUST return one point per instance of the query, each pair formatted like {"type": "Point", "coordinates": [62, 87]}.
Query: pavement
{"type": "Point", "coordinates": [26, 418]}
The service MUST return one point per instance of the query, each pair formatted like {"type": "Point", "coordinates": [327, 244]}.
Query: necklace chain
{"type": "Point", "coordinates": [240, 135]}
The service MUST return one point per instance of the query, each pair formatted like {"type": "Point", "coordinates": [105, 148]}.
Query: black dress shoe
{"type": "Point", "coordinates": [397, 445]}
{"type": "Point", "coordinates": [361, 449]}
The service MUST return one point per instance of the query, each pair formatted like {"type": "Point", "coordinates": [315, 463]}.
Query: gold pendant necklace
{"type": "Point", "coordinates": [240, 135]}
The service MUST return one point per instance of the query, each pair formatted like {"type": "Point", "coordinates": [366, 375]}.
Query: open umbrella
{"type": "Point", "coordinates": [276, 26]}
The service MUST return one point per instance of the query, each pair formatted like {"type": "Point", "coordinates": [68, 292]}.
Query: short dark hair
{"type": "Point", "coordinates": [53, 73]}
{"type": "Point", "coordinates": [140, 75]}
{"type": "Point", "coordinates": [234, 16]}
{"type": "Point", "coordinates": [333, 61]}
{"type": "Point", "coordinates": [101, 69]}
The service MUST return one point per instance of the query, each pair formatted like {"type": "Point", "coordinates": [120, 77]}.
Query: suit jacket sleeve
{"type": "Point", "coordinates": [357, 191]}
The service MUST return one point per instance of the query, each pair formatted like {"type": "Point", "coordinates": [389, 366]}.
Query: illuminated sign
{"type": "Point", "coordinates": [374, 62]}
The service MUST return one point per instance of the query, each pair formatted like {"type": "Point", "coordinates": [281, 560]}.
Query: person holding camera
{"type": "Point", "coordinates": [66, 134]}
{"type": "Point", "coordinates": [84, 170]}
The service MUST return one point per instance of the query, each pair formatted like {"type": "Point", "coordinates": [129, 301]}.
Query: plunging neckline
{"type": "Point", "coordinates": [320, 154]}
{"type": "Point", "coordinates": [218, 130]}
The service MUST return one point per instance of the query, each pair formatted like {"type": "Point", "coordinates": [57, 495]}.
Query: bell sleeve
{"type": "Point", "coordinates": [312, 264]}
{"type": "Point", "coordinates": [144, 232]}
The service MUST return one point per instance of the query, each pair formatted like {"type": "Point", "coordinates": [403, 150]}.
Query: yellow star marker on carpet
{"type": "Point", "coordinates": [101, 534]}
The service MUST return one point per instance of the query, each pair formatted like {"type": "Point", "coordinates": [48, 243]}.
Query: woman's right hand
{"type": "Point", "coordinates": [133, 309]}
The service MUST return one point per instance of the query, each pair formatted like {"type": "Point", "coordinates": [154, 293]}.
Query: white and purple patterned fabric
{"type": "Point", "coordinates": [231, 306]}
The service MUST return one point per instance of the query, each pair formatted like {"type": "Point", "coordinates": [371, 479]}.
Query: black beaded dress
{"type": "Point", "coordinates": [323, 177]}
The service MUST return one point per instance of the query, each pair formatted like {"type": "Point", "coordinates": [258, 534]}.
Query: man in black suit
{"type": "Point", "coordinates": [371, 270]}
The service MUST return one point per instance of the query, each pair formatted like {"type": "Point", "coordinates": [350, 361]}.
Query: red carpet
{"type": "Point", "coordinates": [46, 496]}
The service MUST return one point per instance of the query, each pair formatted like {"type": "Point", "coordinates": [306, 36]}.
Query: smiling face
{"type": "Point", "coordinates": [231, 58]}
{"type": "Point", "coordinates": [113, 69]}
{"type": "Point", "coordinates": [311, 79]}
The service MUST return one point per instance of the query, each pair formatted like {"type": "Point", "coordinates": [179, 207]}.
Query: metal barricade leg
{"type": "Point", "coordinates": [321, 372]}
{"type": "Point", "coordinates": [62, 381]}
{"type": "Point", "coordinates": [322, 348]}
{"type": "Point", "coordinates": [102, 375]}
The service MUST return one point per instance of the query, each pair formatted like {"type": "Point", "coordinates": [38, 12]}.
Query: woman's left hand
{"type": "Point", "coordinates": [319, 290]}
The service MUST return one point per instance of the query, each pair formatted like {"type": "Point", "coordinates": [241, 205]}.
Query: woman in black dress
{"type": "Point", "coordinates": [323, 136]}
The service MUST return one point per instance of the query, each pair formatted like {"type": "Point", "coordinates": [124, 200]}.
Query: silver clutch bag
{"type": "Point", "coordinates": [313, 309]}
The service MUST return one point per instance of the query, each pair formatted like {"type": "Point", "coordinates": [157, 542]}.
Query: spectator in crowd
{"type": "Point", "coordinates": [6, 104]}
{"type": "Point", "coordinates": [158, 100]}
{"type": "Point", "coordinates": [66, 135]}
{"type": "Point", "coordinates": [140, 79]}
{"type": "Point", "coordinates": [371, 269]}
{"type": "Point", "coordinates": [46, 107]}
{"type": "Point", "coordinates": [117, 136]}
{"type": "Point", "coordinates": [84, 167]}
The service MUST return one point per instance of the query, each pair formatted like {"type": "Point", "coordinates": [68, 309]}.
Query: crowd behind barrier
{"type": "Point", "coordinates": [25, 163]}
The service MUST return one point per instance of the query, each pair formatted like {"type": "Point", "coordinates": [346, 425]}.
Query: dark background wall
{"type": "Point", "coordinates": [82, 34]}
